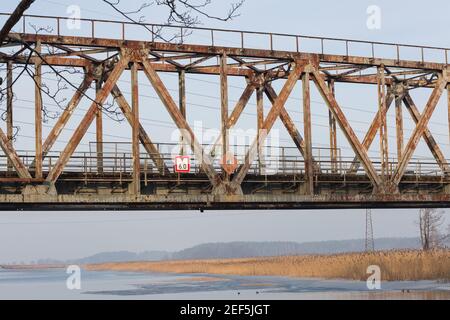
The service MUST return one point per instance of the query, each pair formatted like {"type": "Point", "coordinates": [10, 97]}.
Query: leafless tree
{"type": "Point", "coordinates": [186, 13]}
{"type": "Point", "coordinates": [430, 224]}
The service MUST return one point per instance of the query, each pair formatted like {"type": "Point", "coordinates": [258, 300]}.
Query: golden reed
{"type": "Point", "coordinates": [396, 265]}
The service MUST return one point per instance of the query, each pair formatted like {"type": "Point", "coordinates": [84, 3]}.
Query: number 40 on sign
{"type": "Point", "coordinates": [182, 164]}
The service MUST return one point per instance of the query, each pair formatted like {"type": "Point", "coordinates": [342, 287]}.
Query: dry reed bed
{"type": "Point", "coordinates": [395, 266]}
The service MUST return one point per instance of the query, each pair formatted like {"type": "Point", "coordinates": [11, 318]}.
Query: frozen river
{"type": "Point", "coordinates": [51, 284]}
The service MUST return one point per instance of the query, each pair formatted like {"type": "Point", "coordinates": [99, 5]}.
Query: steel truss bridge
{"type": "Point", "coordinates": [143, 177]}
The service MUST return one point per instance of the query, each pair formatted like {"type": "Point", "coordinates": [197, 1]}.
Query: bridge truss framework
{"type": "Point", "coordinates": [146, 180]}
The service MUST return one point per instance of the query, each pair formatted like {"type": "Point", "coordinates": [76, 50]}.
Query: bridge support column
{"type": "Point", "coordinates": [224, 114]}
{"type": "Point", "coordinates": [333, 133]}
{"type": "Point", "coordinates": [448, 103]}
{"type": "Point", "coordinates": [260, 121]}
{"type": "Point", "coordinates": [38, 113]}
{"type": "Point", "coordinates": [9, 107]}
{"type": "Point", "coordinates": [99, 128]}
{"type": "Point", "coordinates": [309, 168]}
{"type": "Point", "coordinates": [135, 129]}
{"type": "Point", "coordinates": [399, 123]}
{"type": "Point", "coordinates": [182, 97]}
{"type": "Point", "coordinates": [384, 152]}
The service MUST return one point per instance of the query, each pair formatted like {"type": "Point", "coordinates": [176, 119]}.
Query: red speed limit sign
{"type": "Point", "coordinates": [182, 164]}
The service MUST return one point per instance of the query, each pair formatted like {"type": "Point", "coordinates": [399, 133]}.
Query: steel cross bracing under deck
{"type": "Point", "coordinates": [144, 177]}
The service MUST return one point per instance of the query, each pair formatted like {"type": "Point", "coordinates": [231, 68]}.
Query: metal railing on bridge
{"type": "Point", "coordinates": [115, 163]}
{"type": "Point", "coordinates": [234, 38]}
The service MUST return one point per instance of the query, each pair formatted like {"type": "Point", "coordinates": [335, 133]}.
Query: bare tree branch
{"type": "Point", "coordinates": [181, 12]}
{"type": "Point", "coordinates": [14, 18]}
{"type": "Point", "coordinates": [430, 224]}
{"type": "Point", "coordinates": [184, 13]}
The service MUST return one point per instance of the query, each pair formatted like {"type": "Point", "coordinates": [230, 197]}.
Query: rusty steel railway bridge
{"type": "Point", "coordinates": [144, 177]}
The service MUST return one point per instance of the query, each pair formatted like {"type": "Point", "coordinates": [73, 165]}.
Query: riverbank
{"type": "Point", "coordinates": [408, 265]}
{"type": "Point", "coordinates": [32, 266]}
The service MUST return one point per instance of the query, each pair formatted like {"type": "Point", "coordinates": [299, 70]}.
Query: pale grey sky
{"type": "Point", "coordinates": [27, 236]}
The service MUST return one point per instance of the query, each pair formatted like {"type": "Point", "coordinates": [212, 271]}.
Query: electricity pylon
{"type": "Point", "coordinates": [370, 245]}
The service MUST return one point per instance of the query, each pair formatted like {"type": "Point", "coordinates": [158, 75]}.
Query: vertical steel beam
{"type": "Point", "coordinates": [38, 112]}
{"type": "Point", "coordinates": [448, 106]}
{"type": "Point", "coordinates": [259, 124]}
{"type": "Point", "coordinates": [420, 129]}
{"type": "Point", "coordinates": [9, 107]}
{"type": "Point", "coordinates": [384, 152]}
{"type": "Point", "coordinates": [333, 133]}
{"type": "Point", "coordinates": [99, 129]}
{"type": "Point", "coordinates": [182, 98]}
{"type": "Point", "coordinates": [309, 169]}
{"type": "Point", "coordinates": [346, 128]}
{"type": "Point", "coordinates": [224, 110]}
{"type": "Point", "coordinates": [260, 106]}
{"type": "Point", "coordinates": [135, 129]}
{"type": "Point", "coordinates": [399, 124]}
{"type": "Point", "coordinates": [87, 120]}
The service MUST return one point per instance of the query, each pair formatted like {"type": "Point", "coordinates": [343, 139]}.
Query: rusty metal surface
{"type": "Point", "coordinates": [309, 168]}
{"type": "Point", "coordinates": [147, 179]}
{"type": "Point", "coordinates": [333, 132]}
{"type": "Point", "coordinates": [38, 113]}
{"type": "Point", "coordinates": [135, 127]}
{"type": "Point", "coordinates": [144, 138]}
{"type": "Point", "coordinates": [427, 136]}
{"type": "Point", "coordinates": [180, 121]}
{"type": "Point", "coordinates": [9, 106]}
{"type": "Point", "coordinates": [273, 114]}
{"type": "Point", "coordinates": [87, 120]}
{"type": "Point", "coordinates": [420, 128]}
{"type": "Point", "coordinates": [346, 128]}
{"type": "Point", "coordinates": [269, 37]}
{"type": "Point", "coordinates": [207, 202]}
